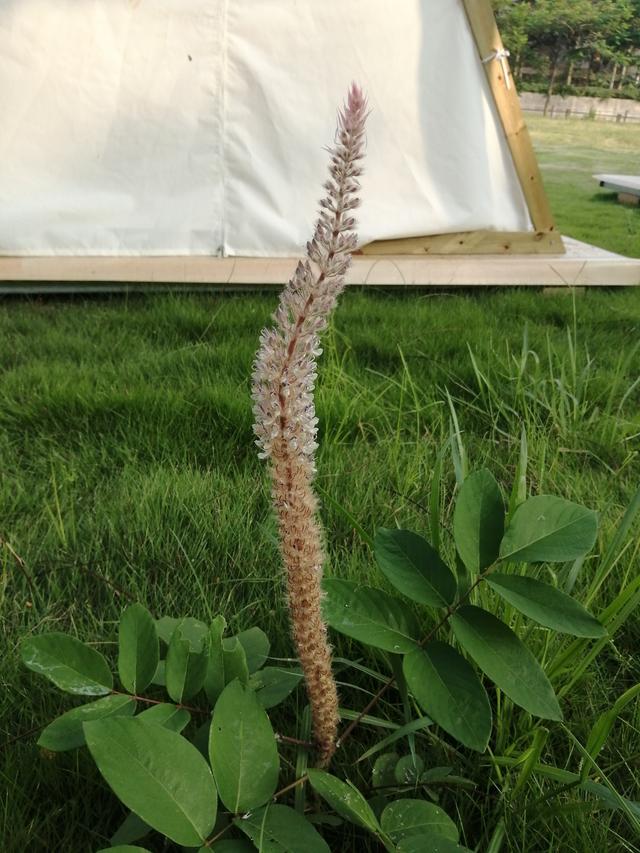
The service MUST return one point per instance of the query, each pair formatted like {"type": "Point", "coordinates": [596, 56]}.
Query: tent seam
{"type": "Point", "coordinates": [223, 127]}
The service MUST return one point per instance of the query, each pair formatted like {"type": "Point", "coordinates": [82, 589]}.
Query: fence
{"type": "Point", "coordinates": [603, 109]}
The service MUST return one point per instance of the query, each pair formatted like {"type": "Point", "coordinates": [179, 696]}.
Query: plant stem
{"type": "Point", "coordinates": [305, 744]}
{"type": "Point", "coordinates": [160, 702]}
{"type": "Point", "coordinates": [21, 565]}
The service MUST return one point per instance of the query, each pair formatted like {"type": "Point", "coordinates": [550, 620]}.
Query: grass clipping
{"type": "Point", "coordinates": [284, 377]}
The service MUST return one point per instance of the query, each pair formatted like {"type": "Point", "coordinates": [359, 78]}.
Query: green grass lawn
{"type": "Point", "coordinates": [129, 473]}
{"type": "Point", "coordinates": [570, 153]}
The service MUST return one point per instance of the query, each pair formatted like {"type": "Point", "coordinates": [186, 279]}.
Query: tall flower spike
{"type": "Point", "coordinates": [284, 376]}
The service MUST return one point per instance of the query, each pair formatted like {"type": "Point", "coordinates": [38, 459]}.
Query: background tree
{"type": "Point", "coordinates": [572, 44]}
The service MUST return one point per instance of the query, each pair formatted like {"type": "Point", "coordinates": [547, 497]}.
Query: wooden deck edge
{"type": "Point", "coordinates": [481, 242]}
{"type": "Point", "coordinates": [82, 274]}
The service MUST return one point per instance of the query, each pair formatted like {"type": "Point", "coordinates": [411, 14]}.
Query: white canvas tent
{"type": "Point", "coordinates": [145, 137]}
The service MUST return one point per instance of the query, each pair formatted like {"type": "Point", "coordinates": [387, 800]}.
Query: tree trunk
{"type": "Point", "coordinates": [621, 79]}
{"type": "Point", "coordinates": [589, 70]}
{"type": "Point", "coordinates": [552, 80]}
{"type": "Point", "coordinates": [613, 77]}
{"type": "Point", "coordinates": [517, 68]}
{"type": "Point", "coordinates": [570, 72]}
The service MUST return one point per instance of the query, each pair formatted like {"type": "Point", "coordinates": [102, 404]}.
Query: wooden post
{"type": "Point", "coordinates": [487, 37]}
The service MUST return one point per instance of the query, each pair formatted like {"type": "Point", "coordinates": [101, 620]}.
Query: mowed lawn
{"type": "Point", "coordinates": [570, 152]}
{"type": "Point", "coordinates": [129, 473]}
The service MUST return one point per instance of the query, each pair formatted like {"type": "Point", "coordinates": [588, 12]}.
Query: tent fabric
{"type": "Point", "coordinates": [197, 127]}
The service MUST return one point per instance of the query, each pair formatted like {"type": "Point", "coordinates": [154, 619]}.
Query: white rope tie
{"type": "Point", "coordinates": [501, 56]}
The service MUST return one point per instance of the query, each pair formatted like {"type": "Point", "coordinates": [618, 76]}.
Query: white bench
{"type": "Point", "coordinates": [627, 186]}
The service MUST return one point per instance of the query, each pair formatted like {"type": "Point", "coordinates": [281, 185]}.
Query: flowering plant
{"type": "Point", "coordinates": [286, 426]}
{"type": "Point", "coordinates": [187, 742]}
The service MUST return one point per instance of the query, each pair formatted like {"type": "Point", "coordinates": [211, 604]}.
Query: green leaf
{"type": "Point", "coordinates": [187, 660]}
{"type": "Point", "coordinates": [124, 848]}
{"type": "Point", "coordinates": [66, 731]}
{"type": "Point", "coordinates": [193, 630]}
{"type": "Point", "coordinates": [160, 675]}
{"type": "Point", "coordinates": [166, 715]}
{"type": "Point", "coordinates": [430, 843]}
{"type": "Point", "coordinates": [458, 452]}
{"type": "Point", "coordinates": [72, 666]}
{"type": "Point", "coordinates": [165, 626]}
{"type": "Point", "coordinates": [611, 799]}
{"type": "Point", "coordinates": [441, 774]}
{"type": "Point", "coordinates": [256, 647]}
{"type": "Point", "coordinates": [409, 769]}
{"type": "Point", "coordinates": [243, 750]}
{"type": "Point", "coordinates": [478, 520]}
{"type": "Point", "coordinates": [132, 828]}
{"type": "Point", "coordinates": [549, 529]}
{"type": "Point", "coordinates": [234, 660]}
{"type": "Point", "coordinates": [529, 758]}
{"type": "Point", "coordinates": [617, 541]}
{"type": "Point", "coordinates": [344, 798]}
{"type": "Point", "coordinates": [214, 678]}
{"type": "Point", "coordinates": [383, 772]}
{"type": "Point", "coordinates": [546, 605]}
{"type": "Point", "coordinates": [435, 500]}
{"type": "Point", "coordinates": [503, 657]}
{"type": "Point", "coordinates": [519, 490]}
{"type": "Point", "coordinates": [138, 648]}
{"type": "Point", "coordinates": [415, 569]}
{"type": "Point", "coordinates": [158, 775]}
{"type": "Point", "coordinates": [280, 829]}
{"type": "Point", "coordinates": [631, 810]}
{"type": "Point", "coordinates": [367, 719]}
{"type": "Point", "coordinates": [369, 615]}
{"type": "Point", "coordinates": [608, 797]}
{"type": "Point", "coordinates": [448, 689]}
{"type": "Point", "coordinates": [464, 577]}
{"type": "Point", "coordinates": [605, 722]}
{"type": "Point", "coordinates": [404, 818]}
{"type": "Point", "coordinates": [273, 684]}
{"type": "Point", "coordinates": [404, 731]}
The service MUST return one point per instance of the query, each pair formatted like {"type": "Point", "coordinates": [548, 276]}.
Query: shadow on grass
{"type": "Point", "coordinates": [612, 199]}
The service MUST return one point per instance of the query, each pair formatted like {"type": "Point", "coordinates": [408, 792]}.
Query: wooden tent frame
{"type": "Point", "coordinates": [544, 239]}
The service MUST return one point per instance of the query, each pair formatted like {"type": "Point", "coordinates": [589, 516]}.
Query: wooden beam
{"type": "Point", "coordinates": [489, 43]}
{"type": "Point", "coordinates": [582, 265]}
{"type": "Point", "coordinates": [472, 243]}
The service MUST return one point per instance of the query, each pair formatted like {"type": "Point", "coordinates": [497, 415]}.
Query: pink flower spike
{"type": "Point", "coordinates": [284, 375]}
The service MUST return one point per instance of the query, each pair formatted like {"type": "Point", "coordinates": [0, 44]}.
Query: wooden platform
{"type": "Point", "coordinates": [581, 265]}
